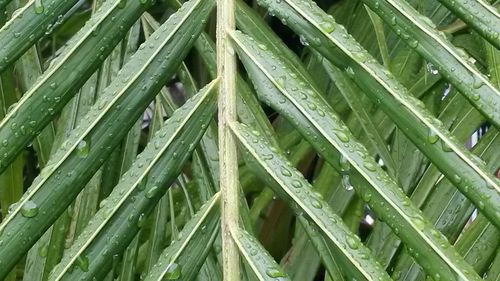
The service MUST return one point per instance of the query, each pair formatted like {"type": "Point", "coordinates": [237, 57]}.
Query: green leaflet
{"type": "Point", "coordinates": [83, 55]}
{"type": "Point", "coordinates": [278, 86]}
{"type": "Point", "coordinates": [286, 181]}
{"type": "Point", "coordinates": [481, 16]}
{"type": "Point", "coordinates": [427, 132]}
{"type": "Point", "coordinates": [185, 256]}
{"type": "Point", "coordinates": [27, 25]}
{"type": "Point", "coordinates": [138, 191]}
{"type": "Point", "coordinates": [262, 264]}
{"type": "Point", "coordinates": [101, 130]}
{"type": "Point", "coordinates": [323, 248]}
{"type": "Point", "coordinates": [351, 94]}
{"type": "Point", "coordinates": [420, 33]}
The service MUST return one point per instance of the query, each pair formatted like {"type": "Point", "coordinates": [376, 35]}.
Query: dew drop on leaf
{"type": "Point", "coordinates": [173, 272]}
{"type": "Point", "coordinates": [83, 263]}
{"type": "Point", "coordinates": [29, 209]}
{"type": "Point", "coordinates": [83, 148]}
{"type": "Point", "coordinates": [275, 273]}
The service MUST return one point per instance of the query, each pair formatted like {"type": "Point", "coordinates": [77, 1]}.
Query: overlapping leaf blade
{"type": "Point", "coordinates": [278, 86]}
{"type": "Point", "coordinates": [480, 15]}
{"type": "Point", "coordinates": [67, 73]}
{"type": "Point", "coordinates": [140, 188]}
{"type": "Point", "coordinates": [427, 132]}
{"type": "Point", "coordinates": [420, 33]}
{"type": "Point", "coordinates": [100, 131]}
{"type": "Point", "coordinates": [263, 265]}
{"type": "Point", "coordinates": [184, 257]}
{"type": "Point", "coordinates": [286, 181]}
{"type": "Point", "coordinates": [27, 25]}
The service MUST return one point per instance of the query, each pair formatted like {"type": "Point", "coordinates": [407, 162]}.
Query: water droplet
{"type": "Point", "coordinates": [353, 242]}
{"type": "Point", "coordinates": [432, 137]}
{"type": "Point", "coordinates": [296, 184]}
{"type": "Point", "coordinates": [370, 165]}
{"type": "Point", "coordinates": [478, 83]}
{"type": "Point", "coordinates": [316, 204]}
{"type": "Point", "coordinates": [303, 40]}
{"type": "Point", "coordinates": [275, 273]}
{"type": "Point", "coordinates": [39, 8]}
{"type": "Point", "coordinates": [342, 136]}
{"type": "Point", "coordinates": [432, 69]}
{"type": "Point", "coordinates": [445, 146]}
{"type": "Point", "coordinates": [413, 44]}
{"type": "Point", "coordinates": [83, 148]}
{"type": "Point", "coordinates": [345, 166]}
{"type": "Point", "coordinates": [83, 263]}
{"type": "Point", "coordinates": [263, 47]}
{"type": "Point", "coordinates": [29, 209]}
{"type": "Point", "coordinates": [43, 250]}
{"type": "Point", "coordinates": [346, 182]}
{"type": "Point", "coordinates": [173, 271]}
{"type": "Point", "coordinates": [285, 172]}
{"type": "Point", "coordinates": [327, 26]}
{"type": "Point", "coordinates": [418, 222]}
{"type": "Point", "coordinates": [141, 220]}
{"type": "Point", "coordinates": [151, 192]}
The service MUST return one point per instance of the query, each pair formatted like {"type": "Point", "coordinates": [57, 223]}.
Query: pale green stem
{"type": "Point", "coordinates": [226, 70]}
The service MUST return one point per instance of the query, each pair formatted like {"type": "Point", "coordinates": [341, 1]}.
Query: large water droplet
{"type": "Point", "coordinates": [432, 69]}
{"type": "Point", "coordinates": [327, 26]}
{"type": "Point", "coordinates": [141, 220]}
{"type": "Point", "coordinates": [151, 192]}
{"type": "Point", "coordinates": [353, 242]}
{"type": "Point", "coordinates": [370, 165]}
{"type": "Point", "coordinates": [432, 137]}
{"type": "Point", "coordinates": [345, 166]}
{"type": "Point", "coordinates": [43, 250]}
{"type": "Point", "coordinates": [83, 148]}
{"type": "Point", "coordinates": [83, 263]}
{"type": "Point", "coordinates": [303, 40]}
{"type": "Point", "coordinates": [342, 136]}
{"type": "Point", "coordinates": [316, 204]}
{"type": "Point", "coordinates": [39, 8]}
{"type": "Point", "coordinates": [29, 209]}
{"type": "Point", "coordinates": [173, 271]}
{"type": "Point", "coordinates": [418, 222]}
{"type": "Point", "coordinates": [275, 273]}
{"type": "Point", "coordinates": [346, 182]}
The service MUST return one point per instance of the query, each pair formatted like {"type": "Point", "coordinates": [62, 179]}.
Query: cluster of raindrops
{"type": "Point", "coordinates": [260, 256]}
{"type": "Point", "coordinates": [308, 203]}
{"type": "Point", "coordinates": [370, 166]}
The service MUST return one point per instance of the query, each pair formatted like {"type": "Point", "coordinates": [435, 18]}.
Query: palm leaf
{"type": "Point", "coordinates": [262, 264]}
{"type": "Point", "coordinates": [184, 257]}
{"type": "Point", "coordinates": [423, 37]}
{"type": "Point", "coordinates": [269, 75]}
{"type": "Point", "coordinates": [85, 52]}
{"type": "Point", "coordinates": [288, 183]}
{"type": "Point", "coordinates": [427, 133]}
{"type": "Point", "coordinates": [83, 152]}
